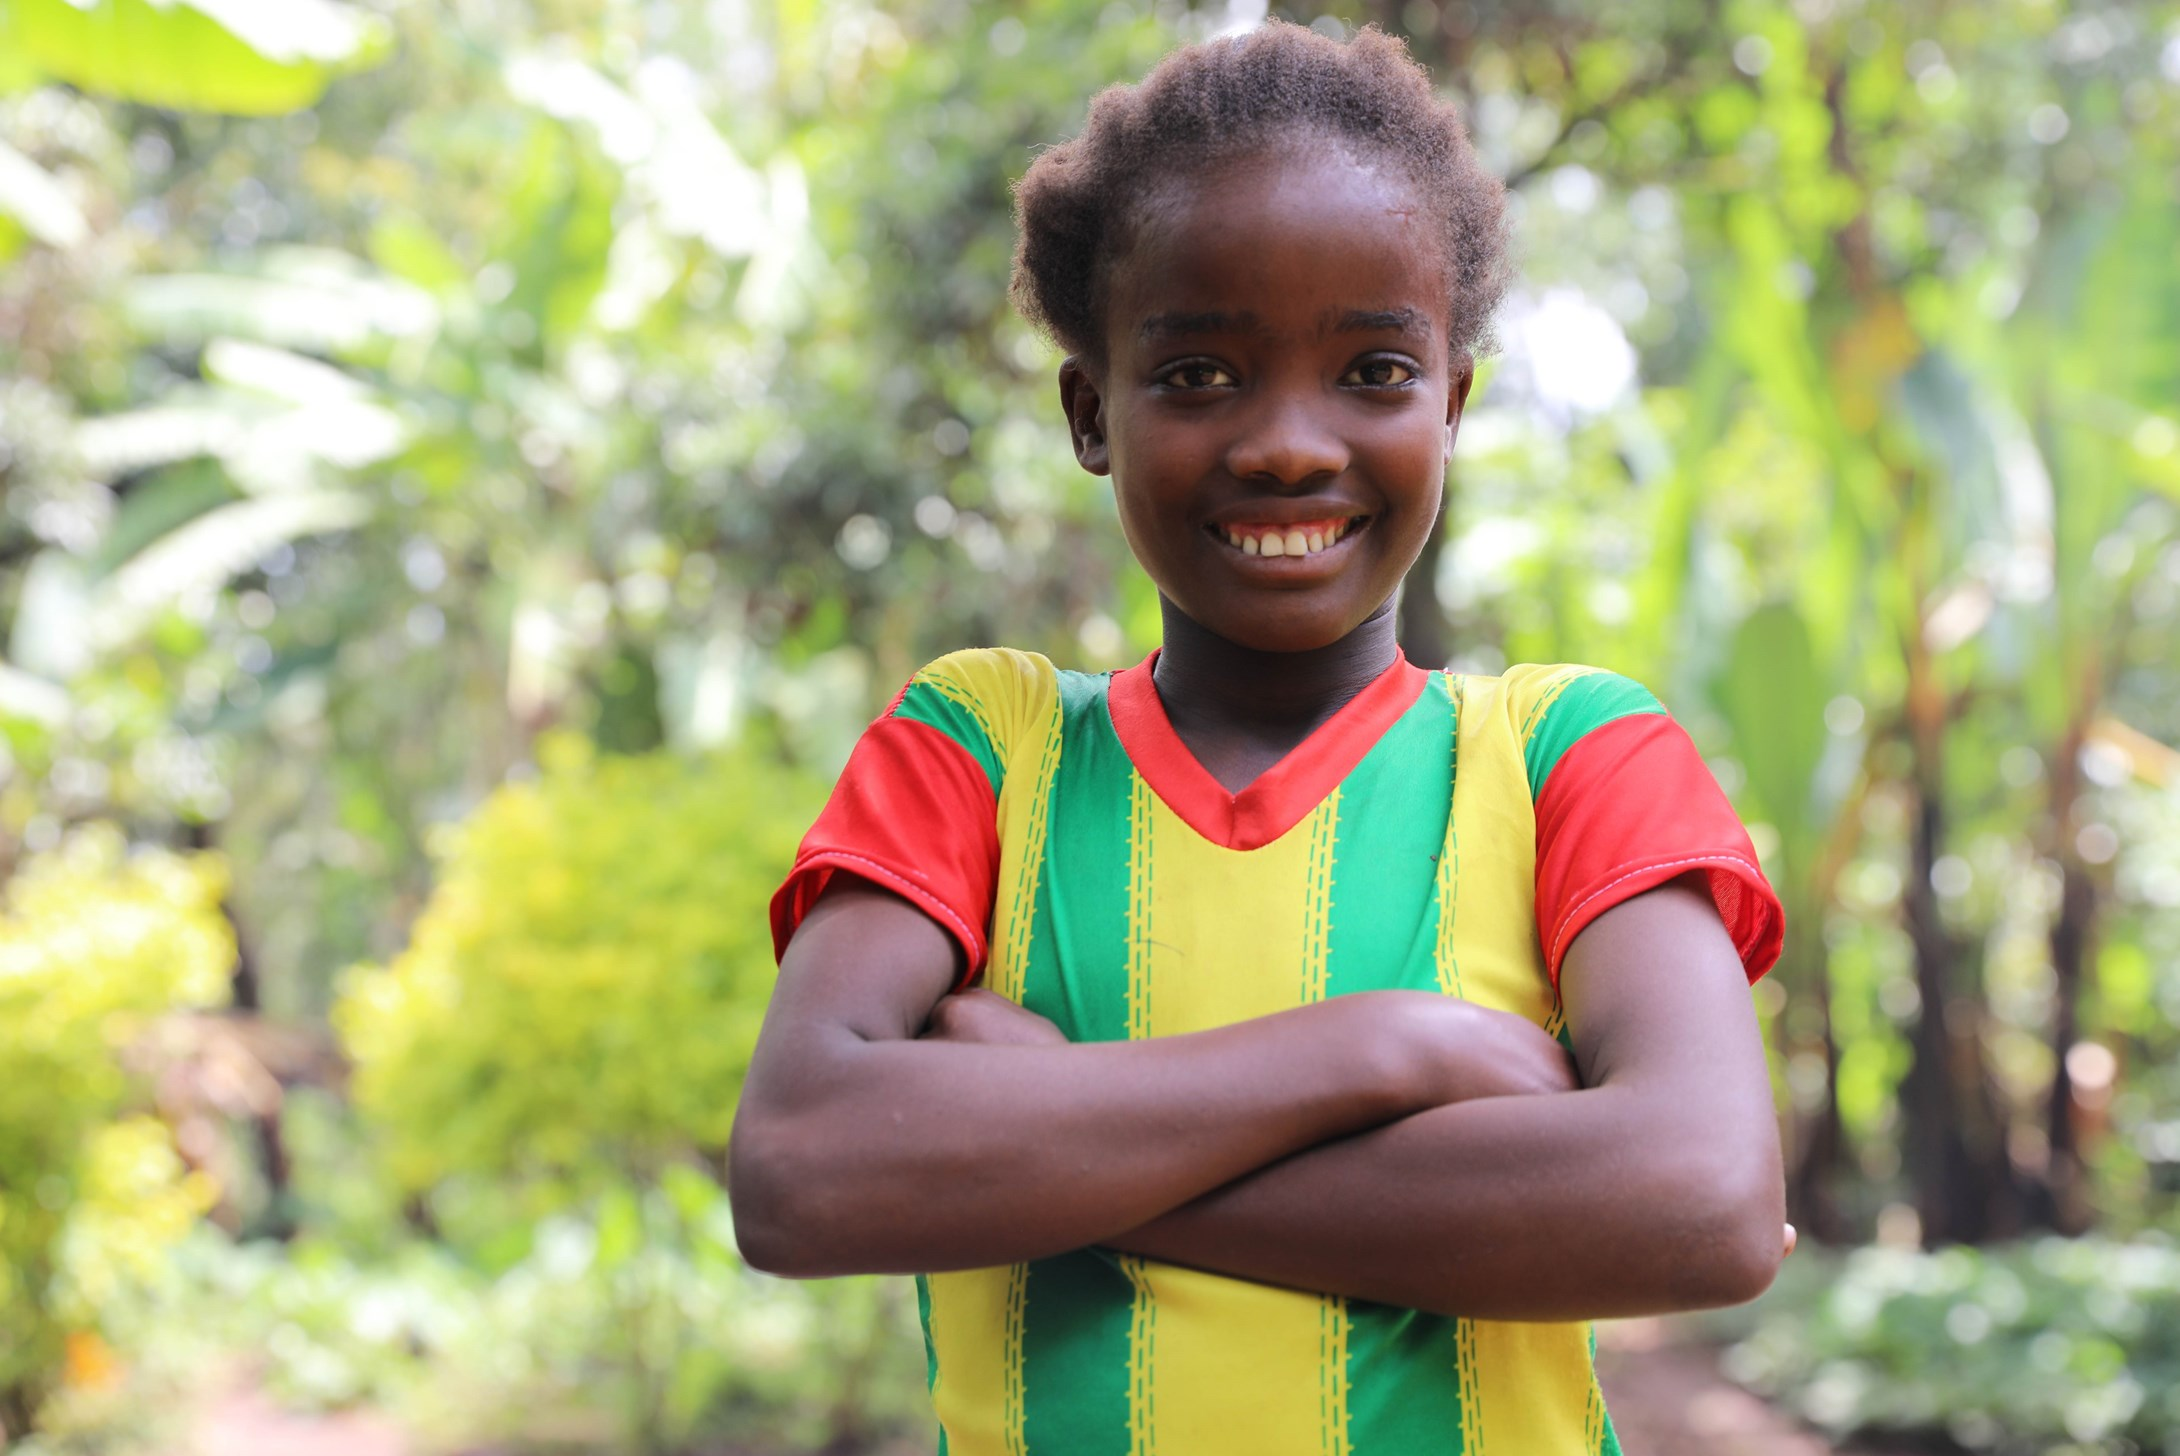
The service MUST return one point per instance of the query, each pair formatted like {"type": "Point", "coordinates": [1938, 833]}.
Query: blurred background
{"type": "Point", "coordinates": [472, 468]}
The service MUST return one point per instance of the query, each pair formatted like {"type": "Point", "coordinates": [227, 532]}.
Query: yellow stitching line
{"type": "Point", "coordinates": [1021, 927]}
{"type": "Point", "coordinates": [1011, 1354]}
{"type": "Point", "coordinates": [1317, 900]}
{"type": "Point", "coordinates": [1449, 858]}
{"type": "Point", "coordinates": [1139, 907]}
{"type": "Point", "coordinates": [1142, 1349]}
{"type": "Point", "coordinates": [1543, 704]}
{"type": "Point", "coordinates": [1472, 1393]}
{"type": "Point", "coordinates": [1332, 1330]}
{"type": "Point", "coordinates": [968, 702]}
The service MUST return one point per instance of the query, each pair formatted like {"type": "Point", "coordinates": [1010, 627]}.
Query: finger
{"type": "Point", "coordinates": [1792, 1238]}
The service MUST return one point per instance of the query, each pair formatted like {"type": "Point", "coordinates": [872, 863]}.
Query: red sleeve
{"type": "Point", "coordinates": [915, 813]}
{"type": "Point", "coordinates": [1628, 807]}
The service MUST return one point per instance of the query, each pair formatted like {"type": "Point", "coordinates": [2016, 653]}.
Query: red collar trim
{"type": "Point", "coordinates": [1284, 794]}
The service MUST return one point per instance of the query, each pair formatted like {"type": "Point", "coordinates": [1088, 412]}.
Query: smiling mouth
{"type": "Point", "coordinates": [1287, 538]}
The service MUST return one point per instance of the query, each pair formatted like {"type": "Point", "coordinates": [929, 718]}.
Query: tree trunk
{"type": "Point", "coordinates": [1955, 1140]}
{"type": "Point", "coordinates": [2065, 1204]}
{"type": "Point", "coordinates": [1819, 1141]}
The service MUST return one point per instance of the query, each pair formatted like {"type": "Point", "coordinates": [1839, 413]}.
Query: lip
{"type": "Point", "coordinates": [1283, 511]}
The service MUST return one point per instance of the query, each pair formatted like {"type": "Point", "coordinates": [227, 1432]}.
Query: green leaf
{"type": "Point", "coordinates": [239, 57]}
{"type": "Point", "coordinates": [1773, 696]}
{"type": "Point", "coordinates": [620, 1229]}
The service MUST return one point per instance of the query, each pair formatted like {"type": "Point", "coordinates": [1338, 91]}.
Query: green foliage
{"type": "Point", "coordinates": [2061, 1346]}
{"type": "Point", "coordinates": [252, 58]}
{"type": "Point", "coordinates": [579, 998]}
{"type": "Point", "coordinates": [556, 1351]}
{"type": "Point", "coordinates": [94, 943]}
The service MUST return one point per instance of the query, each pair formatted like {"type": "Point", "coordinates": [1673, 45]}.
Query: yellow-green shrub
{"type": "Point", "coordinates": [94, 942]}
{"type": "Point", "coordinates": [579, 998]}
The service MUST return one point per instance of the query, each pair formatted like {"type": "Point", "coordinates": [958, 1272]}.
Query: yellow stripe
{"type": "Point", "coordinates": [1332, 1357]}
{"type": "Point", "coordinates": [976, 1335]}
{"type": "Point", "coordinates": [1140, 861]}
{"type": "Point", "coordinates": [1011, 1356]}
{"type": "Point", "coordinates": [1142, 1348]}
{"type": "Point", "coordinates": [1464, 1344]}
{"type": "Point", "coordinates": [1533, 690]}
{"type": "Point", "coordinates": [1317, 909]}
{"type": "Point", "coordinates": [1231, 925]}
{"type": "Point", "coordinates": [1487, 945]}
{"type": "Point", "coordinates": [954, 692]}
{"type": "Point", "coordinates": [1025, 813]}
{"type": "Point", "coordinates": [1227, 1366]}
{"type": "Point", "coordinates": [1535, 1386]}
{"type": "Point", "coordinates": [1448, 955]}
{"type": "Point", "coordinates": [1218, 936]}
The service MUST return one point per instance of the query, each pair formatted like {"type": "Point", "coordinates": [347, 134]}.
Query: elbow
{"type": "Point", "coordinates": [770, 1189]}
{"type": "Point", "coordinates": [1731, 1240]}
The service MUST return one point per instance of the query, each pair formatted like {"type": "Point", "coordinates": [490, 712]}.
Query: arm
{"type": "Point", "coordinates": [1656, 1188]}
{"type": "Point", "coordinates": [858, 1148]}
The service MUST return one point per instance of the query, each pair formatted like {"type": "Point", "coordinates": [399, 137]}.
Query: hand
{"type": "Point", "coordinates": [1455, 1051]}
{"type": "Point", "coordinates": [1792, 1238]}
{"type": "Point", "coordinates": [986, 1018]}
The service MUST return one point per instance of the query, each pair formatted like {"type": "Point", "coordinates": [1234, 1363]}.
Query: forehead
{"type": "Point", "coordinates": [1292, 240]}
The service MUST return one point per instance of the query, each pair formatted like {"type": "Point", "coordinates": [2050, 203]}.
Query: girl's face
{"type": "Point", "coordinates": [1278, 397]}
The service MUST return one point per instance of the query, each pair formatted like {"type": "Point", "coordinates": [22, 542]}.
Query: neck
{"type": "Point", "coordinates": [1206, 681]}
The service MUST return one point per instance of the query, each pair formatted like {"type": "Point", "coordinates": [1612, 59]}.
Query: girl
{"type": "Point", "coordinates": [1199, 1034]}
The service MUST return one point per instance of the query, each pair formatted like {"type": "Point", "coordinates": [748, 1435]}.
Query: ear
{"type": "Point", "coordinates": [1457, 398]}
{"type": "Point", "coordinates": [1085, 409]}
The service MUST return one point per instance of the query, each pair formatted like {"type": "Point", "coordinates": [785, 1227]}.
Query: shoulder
{"type": "Point", "coordinates": [1548, 708]}
{"type": "Point", "coordinates": [989, 701]}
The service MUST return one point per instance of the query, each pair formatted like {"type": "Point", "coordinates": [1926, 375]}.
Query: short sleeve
{"type": "Point", "coordinates": [1624, 803]}
{"type": "Point", "coordinates": [915, 812]}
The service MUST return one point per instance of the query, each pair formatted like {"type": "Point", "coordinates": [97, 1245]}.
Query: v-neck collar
{"type": "Point", "coordinates": [1284, 794]}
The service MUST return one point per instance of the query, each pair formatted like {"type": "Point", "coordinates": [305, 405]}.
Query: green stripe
{"type": "Point", "coordinates": [926, 704]}
{"type": "Point", "coordinates": [1075, 1320]}
{"type": "Point", "coordinates": [1383, 928]}
{"type": "Point", "coordinates": [923, 1317]}
{"type": "Point", "coordinates": [1404, 1392]}
{"type": "Point", "coordinates": [1589, 702]}
{"type": "Point", "coordinates": [1077, 1307]}
{"type": "Point", "coordinates": [1082, 888]}
{"type": "Point", "coordinates": [930, 1351]}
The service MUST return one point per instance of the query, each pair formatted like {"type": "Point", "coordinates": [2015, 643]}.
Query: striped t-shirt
{"type": "Point", "coordinates": [1440, 832]}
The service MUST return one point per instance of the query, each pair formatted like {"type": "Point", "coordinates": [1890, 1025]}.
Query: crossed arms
{"type": "Point", "coordinates": [1395, 1146]}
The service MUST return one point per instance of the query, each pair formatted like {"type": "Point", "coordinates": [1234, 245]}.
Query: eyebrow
{"type": "Point", "coordinates": [1178, 325]}
{"type": "Point", "coordinates": [1402, 320]}
{"type": "Point", "coordinates": [1382, 321]}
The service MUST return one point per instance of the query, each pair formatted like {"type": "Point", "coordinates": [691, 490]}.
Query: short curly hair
{"type": "Point", "coordinates": [1230, 97]}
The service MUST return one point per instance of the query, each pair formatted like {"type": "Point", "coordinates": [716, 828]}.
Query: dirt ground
{"type": "Point", "coordinates": [1667, 1399]}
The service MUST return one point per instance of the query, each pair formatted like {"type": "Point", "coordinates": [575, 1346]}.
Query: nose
{"type": "Point", "coordinates": [1286, 441]}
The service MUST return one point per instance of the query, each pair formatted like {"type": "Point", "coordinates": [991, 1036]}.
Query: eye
{"type": "Point", "coordinates": [1197, 374]}
{"type": "Point", "coordinates": [1380, 374]}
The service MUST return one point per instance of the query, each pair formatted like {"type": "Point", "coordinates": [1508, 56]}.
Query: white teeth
{"type": "Point", "coordinates": [1291, 542]}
